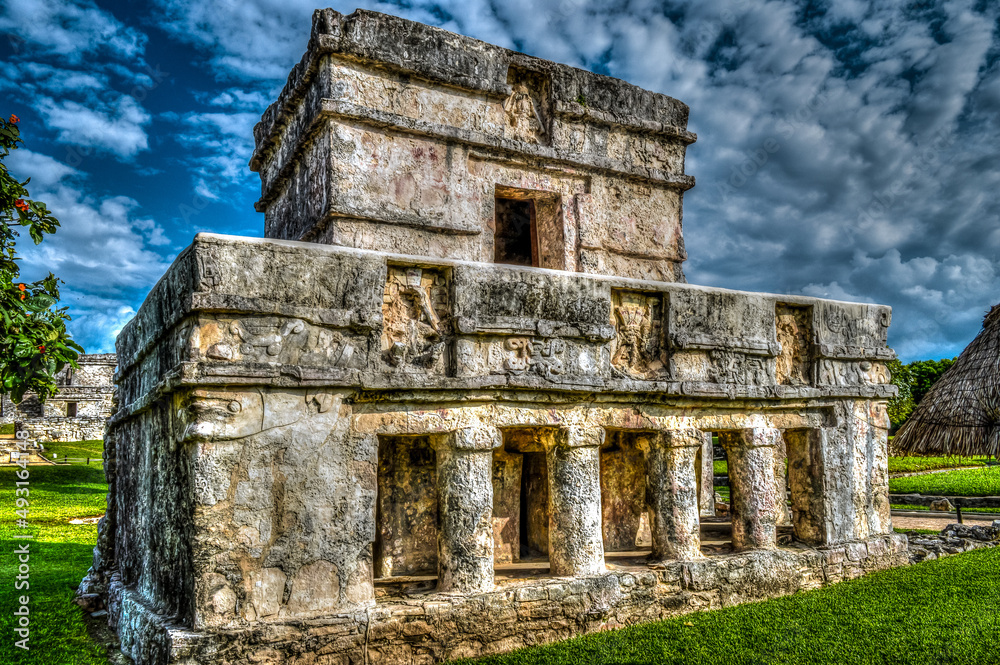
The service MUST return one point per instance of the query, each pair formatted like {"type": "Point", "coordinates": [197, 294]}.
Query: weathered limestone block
{"type": "Point", "coordinates": [575, 545]}
{"type": "Point", "coordinates": [673, 491]}
{"type": "Point", "coordinates": [465, 491]}
{"type": "Point", "coordinates": [754, 500]}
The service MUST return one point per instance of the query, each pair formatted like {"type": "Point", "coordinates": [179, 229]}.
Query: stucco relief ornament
{"type": "Point", "coordinates": [537, 356]}
{"type": "Point", "coordinates": [522, 112]}
{"type": "Point", "coordinates": [413, 331]}
{"type": "Point", "coordinates": [251, 339]}
{"type": "Point", "coordinates": [633, 332]}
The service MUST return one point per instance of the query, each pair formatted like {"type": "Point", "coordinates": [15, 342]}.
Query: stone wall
{"type": "Point", "coordinates": [438, 627]}
{"type": "Point", "coordinates": [291, 450]}
{"type": "Point", "coordinates": [78, 411]}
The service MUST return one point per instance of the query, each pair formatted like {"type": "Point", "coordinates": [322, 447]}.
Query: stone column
{"type": "Point", "coordinates": [706, 499]}
{"type": "Point", "coordinates": [574, 465]}
{"type": "Point", "coordinates": [781, 482]}
{"type": "Point", "coordinates": [672, 483]}
{"type": "Point", "coordinates": [465, 507]}
{"type": "Point", "coordinates": [752, 486]}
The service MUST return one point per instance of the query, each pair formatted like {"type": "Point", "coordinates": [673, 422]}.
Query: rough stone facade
{"type": "Point", "coordinates": [475, 412]}
{"type": "Point", "coordinates": [77, 412]}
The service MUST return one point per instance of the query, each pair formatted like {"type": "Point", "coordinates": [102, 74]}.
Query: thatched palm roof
{"type": "Point", "coordinates": [960, 415]}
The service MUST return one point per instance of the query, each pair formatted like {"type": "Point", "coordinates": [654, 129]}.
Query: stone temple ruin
{"type": "Point", "coordinates": [460, 399]}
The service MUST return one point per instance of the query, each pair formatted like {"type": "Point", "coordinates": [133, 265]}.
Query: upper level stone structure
{"type": "Point", "coordinates": [400, 137]}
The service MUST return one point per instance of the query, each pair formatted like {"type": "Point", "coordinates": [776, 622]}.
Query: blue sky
{"type": "Point", "coordinates": [846, 149]}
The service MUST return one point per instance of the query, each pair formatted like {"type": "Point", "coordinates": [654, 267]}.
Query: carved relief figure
{"type": "Point", "coordinates": [415, 311]}
{"type": "Point", "coordinates": [863, 331]}
{"type": "Point", "coordinates": [208, 273]}
{"type": "Point", "coordinates": [536, 355]}
{"type": "Point", "coordinates": [852, 373]}
{"type": "Point", "coordinates": [636, 348]}
{"type": "Point", "coordinates": [738, 368]}
{"type": "Point", "coordinates": [526, 108]}
{"type": "Point", "coordinates": [793, 327]}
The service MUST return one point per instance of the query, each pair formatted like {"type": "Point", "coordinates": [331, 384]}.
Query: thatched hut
{"type": "Point", "coordinates": [960, 415]}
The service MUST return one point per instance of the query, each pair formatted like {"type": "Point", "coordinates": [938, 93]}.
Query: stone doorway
{"type": "Point", "coordinates": [624, 509]}
{"type": "Point", "coordinates": [406, 508]}
{"type": "Point", "coordinates": [521, 498]}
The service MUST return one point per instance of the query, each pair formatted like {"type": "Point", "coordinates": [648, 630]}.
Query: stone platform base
{"type": "Point", "coordinates": [434, 627]}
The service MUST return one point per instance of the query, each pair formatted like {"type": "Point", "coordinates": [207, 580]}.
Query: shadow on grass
{"type": "Point", "coordinates": [58, 628]}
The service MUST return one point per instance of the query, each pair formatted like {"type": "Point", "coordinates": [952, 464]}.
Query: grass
{"type": "Point", "coordinates": [7, 428]}
{"type": "Point", "coordinates": [969, 482]}
{"type": "Point", "coordinates": [60, 555]}
{"type": "Point", "coordinates": [75, 449]}
{"type": "Point", "coordinates": [909, 506]}
{"type": "Point", "coordinates": [942, 611]}
{"type": "Point", "coordinates": [720, 467]}
{"type": "Point", "coordinates": [910, 464]}
{"type": "Point", "coordinates": [927, 531]}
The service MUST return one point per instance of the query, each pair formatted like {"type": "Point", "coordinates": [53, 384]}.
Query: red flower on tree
{"type": "Point", "coordinates": [42, 348]}
{"type": "Point", "coordinates": [14, 119]}
{"type": "Point", "coordinates": [21, 205]}
{"type": "Point", "coordinates": [21, 287]}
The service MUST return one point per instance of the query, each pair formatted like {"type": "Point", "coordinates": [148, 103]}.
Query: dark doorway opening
{"type": "Point", "coordinates": [516, 236]}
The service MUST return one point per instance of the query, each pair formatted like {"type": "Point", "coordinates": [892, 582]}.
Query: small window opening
{"type": "Point", "coordinates": [516, 239]}
{"type": "Point", "coordinates": [71, 409]}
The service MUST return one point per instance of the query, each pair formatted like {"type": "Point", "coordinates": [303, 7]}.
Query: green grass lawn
{"type": "Point", "coordinates": [60, 555]}
{"type": "Point", "coordinates": [943, 611]}
{"type": "Point", "coordinates": [969, 482]}
{"type": "Point", "coordinates": [907, 506]}
{"type": "Point", "coordinates": [720, 467]}
{"type": "Point", "coordinates": [909, 464]}
{"type": "Point", "coordinates": [75, 449]}
{"type": "Point", "coordinates": [57, 450]}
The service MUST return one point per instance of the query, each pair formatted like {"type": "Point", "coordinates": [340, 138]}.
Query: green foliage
{"type": "Point", "coordinates": [968, 482]}
{"type": "Point", "coordinates": [909, 464]}
{"type": "Point", "coordinates": [902, 404]}
{"type": "Point", "coordinates": [7, 428]}
{"type": "Point", "coordinates": [34, 343]}
{"type": "Point", "coordinates": [943, 611]}
{"type": "Point", "coordinates": [913, 381]}
{"type": "Point", "coordinates": [60, 554]}
{"type": "Point", "coordinates": [924, 373]}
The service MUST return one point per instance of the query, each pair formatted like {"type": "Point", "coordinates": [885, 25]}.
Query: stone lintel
{"type": "Point", "coordinates": [478, 438]}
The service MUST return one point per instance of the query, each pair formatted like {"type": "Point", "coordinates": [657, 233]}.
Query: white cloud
{"type": "Point", "coordinates": [68, 29]}
{"type": "Point", "coordinates": [105, 251]}
{"type": "Point", "coordinates": [118, 128]}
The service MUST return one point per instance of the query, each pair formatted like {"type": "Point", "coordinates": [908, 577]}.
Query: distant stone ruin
{"type": "Point", "coordinates": [77, 412]}
{"type": "Point", "coordinates": [460, 399]}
